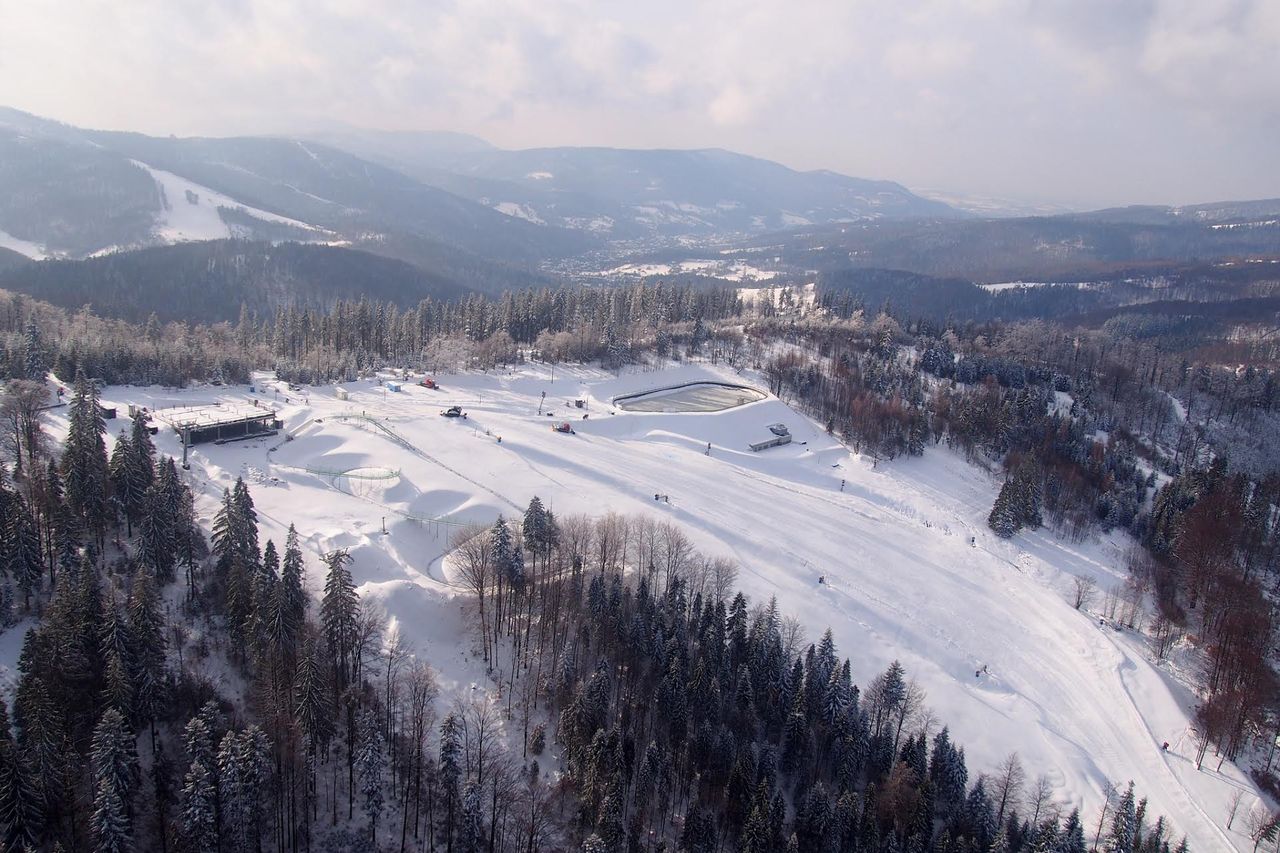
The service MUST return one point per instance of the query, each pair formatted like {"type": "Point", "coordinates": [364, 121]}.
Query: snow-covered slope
{"type": "Point", "coordinates": [911, 570]}
{"type": "Point", "coordinates": [34, 251]}
{"type": "Point", "coordinates": [190, 211]}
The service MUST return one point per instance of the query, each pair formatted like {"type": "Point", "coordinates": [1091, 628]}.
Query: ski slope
{"type": "Point", "coordinates": [34, 251]}
{"type": "Point", "coordinates": [190, 211]}
{"type": "Point", "coordinates": [1079, 702]}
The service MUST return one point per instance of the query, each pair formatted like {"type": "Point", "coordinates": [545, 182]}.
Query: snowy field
{"type": "Point", "coordinates": [698, 397]}
{"type": "Point", "coordinates": [34, 251]}
{"type": "Point", "coordinates": [1078, 701]}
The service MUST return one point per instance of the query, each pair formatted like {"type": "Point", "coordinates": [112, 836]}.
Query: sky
{"type": "Point", "coordinates": [1085, 103]}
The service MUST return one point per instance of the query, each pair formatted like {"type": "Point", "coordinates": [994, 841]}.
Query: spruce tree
{"type": "Point", "coordinates": [199, 810]}
{"type": "Point", "coordinates": [339, 617]}
{"type": "Point", "coordinates": [36, 364]}
{"type": "Point", "coordinates": [1124, 825]}
{"type": "Point", "coordinates": [146, 631]}
{"type": "Point", "coordinates": [19, 794]}
{"type": "Point", "coordinates": [1004, 514]}
{"type": "Point", "coordinates": [370, 765]}
{"type": "Point", "coordinates": [20, 546]}
{"type": "Point", "coordinates": [84, 458]}
{"type": "Point", "coordinates": [114, 763]}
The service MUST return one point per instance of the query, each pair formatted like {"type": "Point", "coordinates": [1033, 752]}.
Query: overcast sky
{"type": "Point", "coordinates": [1085, 102]}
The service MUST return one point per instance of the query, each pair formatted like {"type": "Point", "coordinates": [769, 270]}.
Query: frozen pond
{"type": "Point", "coordinates": [695, 397]}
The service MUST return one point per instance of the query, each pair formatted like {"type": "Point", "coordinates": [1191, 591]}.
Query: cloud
{"type": "Point", "coordinates": [1086, 100]}
{"type": "Point", "coordinates": [924, 58]}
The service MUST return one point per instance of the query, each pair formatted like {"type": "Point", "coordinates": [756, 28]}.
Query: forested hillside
{"type": "Point", "coordinates": [211, 281]}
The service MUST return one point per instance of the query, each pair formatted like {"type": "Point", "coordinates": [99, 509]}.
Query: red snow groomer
{"type": "Point", "coordinates": [564, 426]}
{"type": "Point", "coordinates": [429, 382]}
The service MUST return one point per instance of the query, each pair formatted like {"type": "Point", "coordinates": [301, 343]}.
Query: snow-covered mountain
{"type": "Point", "coordinates": [67, 192]}
{"type": "Point", "coordinates": [627, 193]}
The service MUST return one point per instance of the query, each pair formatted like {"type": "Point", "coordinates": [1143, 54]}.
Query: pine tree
{"type": "Point", "coordinates": [1071, 838]}
{"type": "Point", "coordinates": [339, 617]}
{"type": "Point", "coordinates": [233, 794]}
{"type": "Point", "coordinates": [471, 821]}
{"type": "Point", "coordinates": [311, 708]}
{"type": "Point", "coordinates": [36, 364]}
{"type": "Point", "coordinates": [293, 599]}
{"type": "Point", "coordinates": [370, 764]}
{"type": "Point", "coordinates": [19, 795]}
{"type": "Point", "coordinates": [84, 458]}
{"type": "Point", "coordinates": [117, 692]}
{"type": "Point", "coordinates": [110, 823]}
{"type": "Point", "coordinates": [199, 810]}
{"type": "Point", "coordinates": [1124, 824]}
{"type": "Point", "coordinates": [450, 771]}
{"type": "Point", "coordinates": [114, 761]}
{"type": "Point", "coordinates": [127, 502]}
{"type": "Point", "coordinates": [20, 546]}
{"type": "Point", "coordinates": [1004, 515]}
{"type": "Point", "coordinates": [146, 631]}
{"type": "Point", "coordinates": [507, 558]}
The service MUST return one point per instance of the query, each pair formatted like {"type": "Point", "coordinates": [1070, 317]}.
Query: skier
{"type": "Point", "coordinates": [822, 579]}
{"type": "Point", "coordinates": [842, 485]}
{"type": "Point", "coordinates": [708, 451]}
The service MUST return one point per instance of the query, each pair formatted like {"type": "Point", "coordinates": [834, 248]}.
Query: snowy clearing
{"type": "Point", "coordinates": [190, 212]}
{"type": "Point", "coordinates": [1077, 700]}
{"type": "Point", "coordinates": [34, 251]}
{"type": "Point", "coordinates": [725, 269]}
{"type": "Point", "coordinates": [519, 211]}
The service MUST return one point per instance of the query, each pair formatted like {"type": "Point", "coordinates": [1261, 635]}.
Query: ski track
{"type": "Point", "coordinates": [1075, 700]}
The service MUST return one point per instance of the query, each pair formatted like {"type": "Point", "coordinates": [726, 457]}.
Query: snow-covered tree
{"type": "Point", "coordinates": [370, 765]}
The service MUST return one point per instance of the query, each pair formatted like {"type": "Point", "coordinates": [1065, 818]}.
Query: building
{"type": "Point", "coordinates": [781, 435]}
{"type": "Point", "coordinates": [220, 424]}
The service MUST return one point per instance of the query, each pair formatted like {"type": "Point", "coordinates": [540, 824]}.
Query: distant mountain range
{"type": "Point", "coordinates": [70, 192]}
{"type": "Point", "coordinates": [628, 193]}
{"type": "Point", "coordinates": [271, 221]}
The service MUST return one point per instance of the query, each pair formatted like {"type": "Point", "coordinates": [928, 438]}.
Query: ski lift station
{"type": "Point", "coordinates": [780, 436]}
{"type": "Point", "coordinates": [220, 423]}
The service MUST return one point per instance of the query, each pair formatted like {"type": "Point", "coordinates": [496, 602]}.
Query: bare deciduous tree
{"type": "Point", "coordinates": [1084, 589]}
{"type": "Point", "coordinates": [1006, 787]}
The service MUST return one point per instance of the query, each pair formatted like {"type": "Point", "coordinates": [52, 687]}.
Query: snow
{"type": "Point", "coordinates": [520, 211]}
{"type": "Point", "coordinates": [34, 251]}
{"type": "Point", "coordinates": [598, 224]}
{"type": "Point", "coordinates": [730, 270]}
{"type": "Point", "coordinates": [696, 397]}
{"type": "Point", "coordinates": [189, 211]}
{"type": "Point", "coordinates": [806, 294]}
{"type": "Point", "coordinates": [1079, 702]}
